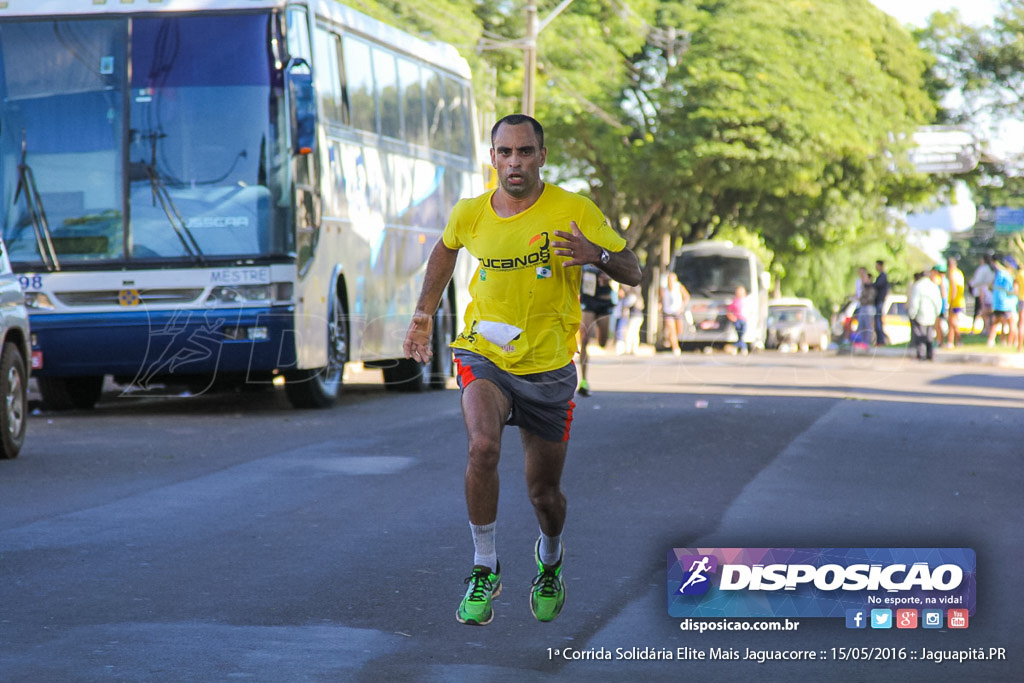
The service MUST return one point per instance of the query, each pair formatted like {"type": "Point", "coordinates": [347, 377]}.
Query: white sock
{"type": "Point", "coordinates": [484, 551]}
{"type": "Point", "coordinates": [550, 549]}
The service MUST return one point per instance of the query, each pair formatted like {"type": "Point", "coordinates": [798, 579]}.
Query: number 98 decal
{"type": "Point", "coordinates": [31, 283]}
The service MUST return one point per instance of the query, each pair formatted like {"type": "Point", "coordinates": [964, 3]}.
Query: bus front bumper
{"type": "Point", "coordinates": [158, 344]}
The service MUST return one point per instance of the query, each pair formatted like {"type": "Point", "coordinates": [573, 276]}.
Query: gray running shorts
{"type": "Point", "coordinates": [541, 402]}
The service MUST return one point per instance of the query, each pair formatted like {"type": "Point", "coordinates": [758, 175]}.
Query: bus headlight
{"type": "Point", "coordinates": [242, 294]}
{"type": "Point", "coordinates": [38, 300]}
{"type": "Point", "coordinates": [277, 293]}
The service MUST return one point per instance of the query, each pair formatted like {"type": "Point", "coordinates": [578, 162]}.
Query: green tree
{"type": "Point", "coordinates": [979, 76]}
{"type": "Point", "coordinates": [788, 119]}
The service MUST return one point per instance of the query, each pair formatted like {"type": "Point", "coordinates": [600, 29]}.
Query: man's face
{"type": "Point", "coordinates": [517, 156]}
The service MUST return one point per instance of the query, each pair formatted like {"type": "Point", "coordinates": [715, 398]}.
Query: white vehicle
{"type": "Point", "coordinates": [895, 322]}
{"type": "Point", "coordinates": [711, 271]}
{"type": "Point", "coordinates": [794, 324]}
{"type": "Point", "coordinates": [219, 192]}
{"type": "Point", "coordinates": [14, 368]}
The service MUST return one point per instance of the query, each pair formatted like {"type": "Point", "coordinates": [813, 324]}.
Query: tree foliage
{"type": "Point", "coordinates": [978, 75]}
{"type": "Point", "coordinates": [783, 119]}
{"type": "Point", "coordinates": [786, 118]}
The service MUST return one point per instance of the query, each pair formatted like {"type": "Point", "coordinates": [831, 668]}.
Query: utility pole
{"type": "Point", "coordinates": [533, 29]}
{"type": "Point", "coordinates": [530, 57]}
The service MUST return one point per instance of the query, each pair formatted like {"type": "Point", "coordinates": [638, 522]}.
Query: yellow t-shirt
{"type": "Point", "coordinates": [525, 307]}
{"type": "Point", "coordinates": [956, 290]}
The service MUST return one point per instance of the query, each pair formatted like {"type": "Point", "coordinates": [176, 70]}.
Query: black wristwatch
{"type": "Point", "coordinates": [605, 257]}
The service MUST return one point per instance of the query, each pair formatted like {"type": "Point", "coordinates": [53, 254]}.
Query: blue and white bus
{"type": "Point", "coordinates": [222, 192]}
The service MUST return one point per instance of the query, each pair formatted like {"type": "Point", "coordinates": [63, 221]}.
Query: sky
{"type": "Point", "coordinates": [1010, 136]}
{"type": "Point", "coordinates": [933, 229]}
{"type": "Point", "coordinates": [916, 12]}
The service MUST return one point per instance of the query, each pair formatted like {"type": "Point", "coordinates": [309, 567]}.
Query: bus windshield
{"type": "Point", "coordinates": [164, 159]}
{"type": "Point", "coordinates": [708, 274]}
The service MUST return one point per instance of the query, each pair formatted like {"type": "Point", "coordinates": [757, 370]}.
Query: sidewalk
{"type": "Point", "coordinates": [968, 354]}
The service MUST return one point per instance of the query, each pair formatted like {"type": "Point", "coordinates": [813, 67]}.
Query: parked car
{"type": "Point", "coordinates": [895, 320]}
{"type": "Point", "coordinates": [14, 355]}
{"type": "Point", "coordinates": [795, 323]}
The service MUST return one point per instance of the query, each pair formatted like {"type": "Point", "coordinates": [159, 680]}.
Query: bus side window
{"type": "Point", "coordinates": [412, 101]}
{"type": "Point", "coordinates": [359, 84]}
{"type": "Point", "coordinates": [298, 34]}
{"type": "Point", "coordinates": [457, 99]}
{"type": "Point", "coordinates": [388, 105]}
{"type": "Point", "coordinates": [327, 70]}
{"type": "Point", "coordinates": [437, 121]}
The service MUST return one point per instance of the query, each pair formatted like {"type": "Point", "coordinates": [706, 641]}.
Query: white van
{"type": "Point", "coordinates": [711, 271]}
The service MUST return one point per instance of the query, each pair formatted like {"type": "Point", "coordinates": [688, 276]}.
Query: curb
{"type": "Point", "coordinates": [1002, 360]}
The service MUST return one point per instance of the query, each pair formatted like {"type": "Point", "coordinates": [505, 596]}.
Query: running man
{"type": "Point", "coordinates": [514, 356]}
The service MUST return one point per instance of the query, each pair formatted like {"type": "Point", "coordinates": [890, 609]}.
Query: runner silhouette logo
{"type": "Point", "coordinates": [696, 580]}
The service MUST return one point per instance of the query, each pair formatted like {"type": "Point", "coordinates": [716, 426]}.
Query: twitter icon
{"type": "Point", "coordinates": [881, 618]}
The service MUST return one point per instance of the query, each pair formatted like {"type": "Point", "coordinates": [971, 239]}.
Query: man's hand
{"type": "Point", "coordinates": [622, 265]}
{"type": "Point", "coordinates": [417, 339]}
{"type": "Point", "coordinates": [576, 246]}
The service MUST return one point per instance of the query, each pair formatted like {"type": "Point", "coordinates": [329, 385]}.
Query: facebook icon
{"type": "Point", "coordinates": [856, 618]}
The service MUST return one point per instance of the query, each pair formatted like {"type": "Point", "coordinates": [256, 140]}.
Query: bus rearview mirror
{"type": "Point", "coordinates": [303, 111]}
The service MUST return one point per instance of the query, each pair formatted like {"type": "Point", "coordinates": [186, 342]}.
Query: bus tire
{"type": "Point", "coordinates": [14, 416]}
{"type": "Point", "coordinates": [70, 393]}
{"type": "Point", "coordinates": [407, 376]}
{"type": "Point", "coordinates": [320, 387]}
{"type": "Point", "coordinates": [442, 365]}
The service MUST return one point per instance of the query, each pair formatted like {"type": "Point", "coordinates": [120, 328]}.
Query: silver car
{"type": "Point", "coordinates": [795, 324]}
{"type": "Point", "coordinates": [14, 355]}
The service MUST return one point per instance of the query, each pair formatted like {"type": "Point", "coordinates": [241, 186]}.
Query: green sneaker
{"type": "Point", "coordinates": [484, 585]}
{"type": "Point", "coordinates": [548, 594]}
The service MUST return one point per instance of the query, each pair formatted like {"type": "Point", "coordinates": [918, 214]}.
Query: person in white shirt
{"type": "Point", "coordinates": [924, 304]}
{"type": "Point", "coordinates": [981, 288]}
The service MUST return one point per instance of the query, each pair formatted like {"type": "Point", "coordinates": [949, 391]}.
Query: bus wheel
{"type": "Point", "coordinates": [407, 376]}
{"type": "Point", "coordinates": [14, 390]}
{"type": "Point", "coordinates": [67, 393]}
{"type": "Point", "coordinates": [441, 365]}
{"type": "Point", "coordinates": [320, 387]}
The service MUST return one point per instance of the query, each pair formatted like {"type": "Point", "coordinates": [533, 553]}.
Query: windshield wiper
{"type": "Point", "coordinates": [34, 204]}
{"type": "Point", "coordinates": [163, 195]}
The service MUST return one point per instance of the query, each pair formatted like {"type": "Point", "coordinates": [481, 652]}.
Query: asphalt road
{"type": "Point", "coordinates": [223, 538]}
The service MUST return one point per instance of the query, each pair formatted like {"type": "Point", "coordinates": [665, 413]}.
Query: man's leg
{"type": "Point", "coordinates": [485, 409]}
{"type": "Point", "coordinates": [603, 324]}
{"type": "Point", "coordinates": [633, 334]}
{"type": "Point", "coordinates": [544, 463]}
{"type": "Point", "coordinates": [586, 330]}
{"type": "Point", "coordinates": [741, 331]}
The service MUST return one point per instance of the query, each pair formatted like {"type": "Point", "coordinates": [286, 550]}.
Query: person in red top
{"type": "Point", "coordinates": [737, 315]}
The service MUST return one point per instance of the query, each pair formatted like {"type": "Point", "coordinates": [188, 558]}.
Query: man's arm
{"type": "Point", "coordinates": [623, 266]}
{"type": "Point", "coordinates": [440, 267]}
